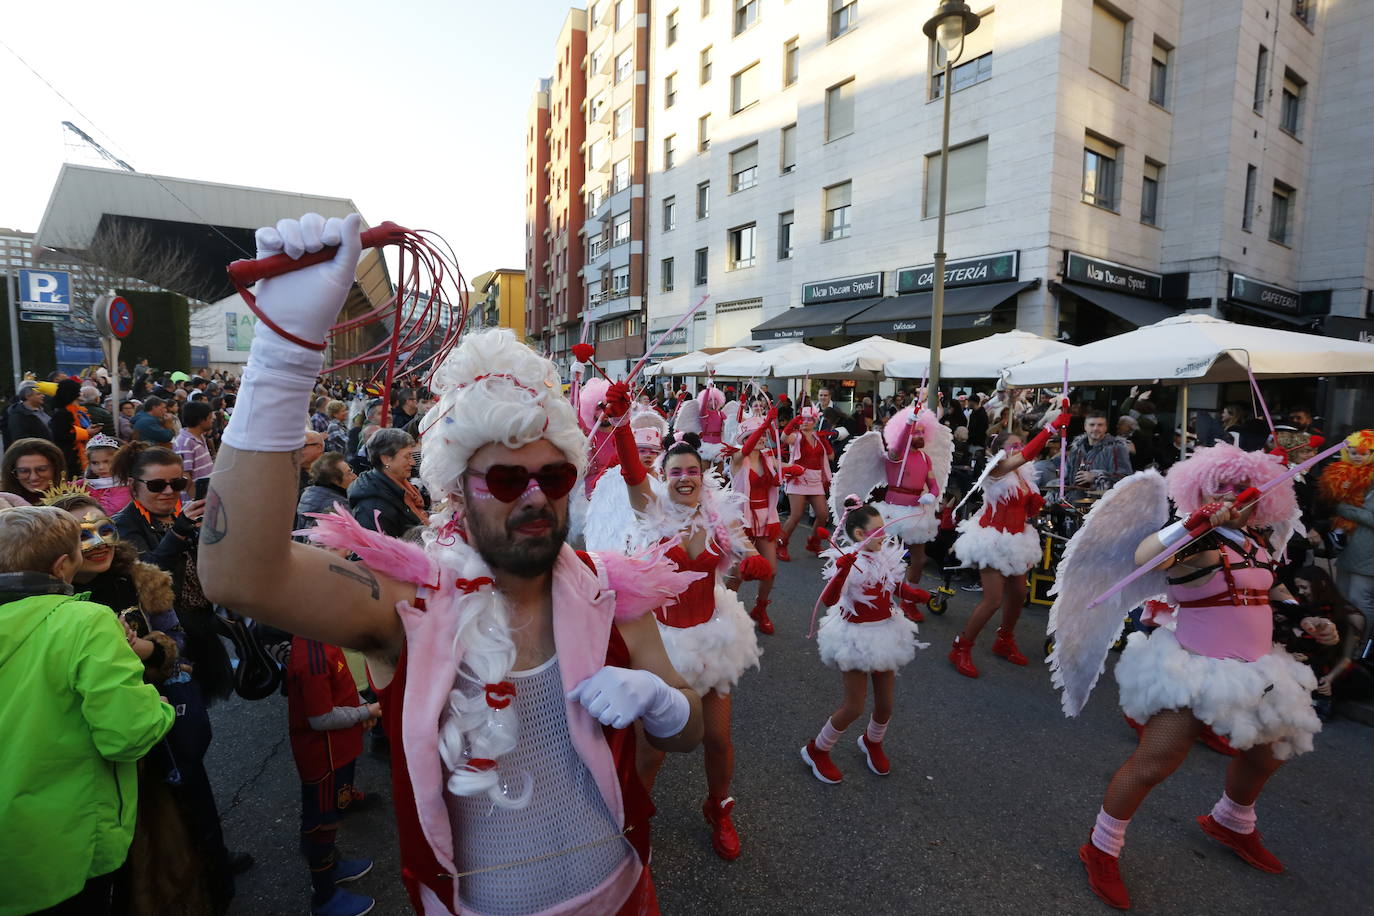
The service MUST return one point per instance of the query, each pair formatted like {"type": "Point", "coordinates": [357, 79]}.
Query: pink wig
{"type": "Point", "coordinates": [1210, 469]}
{"type": "Point", "coordinates": [925, 422]}
{"type": "Point", "coordinates": [593, 393]}
{"type": "Point", "coordinates": [711, 398]}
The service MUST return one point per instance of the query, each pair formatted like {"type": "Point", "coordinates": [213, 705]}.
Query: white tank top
{"type": "Point", "coordinates": [566, 822]}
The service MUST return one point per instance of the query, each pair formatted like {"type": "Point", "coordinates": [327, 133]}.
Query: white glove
{"type": "Point", "coordinates": [274, 396]}
{"type": "Point", "coordinates": [841, 434]}
{"type": "Point", "coordinates": [927, 499]}
{"type": "Point", "coordinates": [618, 696]}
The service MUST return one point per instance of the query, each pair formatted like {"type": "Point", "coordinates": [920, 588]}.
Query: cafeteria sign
{"type": "Point", "coordinates": [866, 286]}
{"type": "Point", "coordinates": [1243, 289]}
{"type": "Point", "coordinates": [988, 268]}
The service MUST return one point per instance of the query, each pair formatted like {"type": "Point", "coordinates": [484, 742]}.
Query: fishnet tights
{"type": "Point", "coordinates": [719, 749]}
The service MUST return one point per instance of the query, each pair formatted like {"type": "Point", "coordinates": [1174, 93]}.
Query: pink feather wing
{"type": "Point", "coordinates": [381, 553]}
{"type": "Point", "coordinates": [644, 581]}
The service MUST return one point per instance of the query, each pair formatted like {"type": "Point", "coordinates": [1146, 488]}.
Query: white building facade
{"type": "Point", "coordinates": [1111, 164]}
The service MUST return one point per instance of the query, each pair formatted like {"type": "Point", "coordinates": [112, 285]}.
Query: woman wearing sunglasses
{"type": "Point", "coordinates": [172, 774]}
{"type": "Point", "coordinates": [709, 637]}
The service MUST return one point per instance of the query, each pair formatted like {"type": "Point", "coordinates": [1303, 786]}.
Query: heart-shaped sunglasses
{"type": "Point", "coordinates": [508, 482]}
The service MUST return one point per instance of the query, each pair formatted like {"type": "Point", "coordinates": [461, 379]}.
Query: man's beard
{"type": "Point", "coordinates": [506, 551]}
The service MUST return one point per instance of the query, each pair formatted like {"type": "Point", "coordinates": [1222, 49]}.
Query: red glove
{"type": "Point", "coordinates": [843, 564]}
{"type": "Point", "coordinates": [908, 592]}
{"type": "Point", "coordinates": [627, 450]}
{"type": "Point", "coordinates": [1317, 442]}
{"type": "Point", "coordinates": [793, 470]}
{"type": "Point", "coordinates": [791, 427]}
{"type": "Point", "coordinates": [754, 568]}
{"type": "Point", "coordinates": [826, 433]}
{"type": "Point", "coordinates": [1282, 453]}
{"type": "Point", "coordinates": [1061, 422]}
{"type": "Point", "coordinates": [772, 416]}
{"type": "Point", "coordinates": [1032, 449]}
{"type": "Point", "coordinates": [727, 451]}
{"type": "Point", "coordinates": [618, 400]}
{"type": "Point", "coordinates": [1201, 519]}
{"type": "Point", "coordinates": [753, 441]}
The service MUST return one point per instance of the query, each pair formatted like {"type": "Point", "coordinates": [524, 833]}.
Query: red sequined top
{"type": "Point", "coordinates": [696, 605]}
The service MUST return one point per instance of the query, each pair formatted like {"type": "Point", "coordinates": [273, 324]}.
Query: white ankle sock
{"type": "Point", "coordinates": [876, 731]}
{"type": "Point", "coordinates": [1109, 833]}
{"type": "Point", "coordinates": [1233, 816]}
{"type": "Point", "coordinates": [829, 734]}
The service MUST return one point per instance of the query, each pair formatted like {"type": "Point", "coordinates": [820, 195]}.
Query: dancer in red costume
{"type": "Point", "coordinates": [807, 479]}
{"type": "Point", "coordinates": [1001, 541]}
{"type": "Point", "coordinates": [1210, 663]}
{"type": "Point", "coordinates": [509, 667]}
{"type": "Point", "coordinates": [704, 415]}
{"type": "Point", "coordinates": [756, 473]}
{"type": "Point", "coordinates": [863, 635]}
{"type": "Point", "coordinates": [708, 636]}
{"type": "Point", "coordinates": [911, 457]}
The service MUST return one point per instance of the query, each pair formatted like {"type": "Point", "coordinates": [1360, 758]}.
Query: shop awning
{"type": "Point", "coordinates": [823, 320]}
{"type": "Point", "coordinates": [1139, 312]}
{"type": "Point", "coordinates": [1288, 318]}
{"type": "Point", "coordinates": [965, 307]}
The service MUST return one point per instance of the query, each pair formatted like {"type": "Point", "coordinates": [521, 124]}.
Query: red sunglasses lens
{"type": "Point", "coordinates": [508, 482]}
{"type": "Point", "coordinates": [557, 481]}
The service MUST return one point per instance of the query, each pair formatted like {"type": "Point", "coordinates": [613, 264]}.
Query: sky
{"type": "Point", "coordinates": [414, 109]}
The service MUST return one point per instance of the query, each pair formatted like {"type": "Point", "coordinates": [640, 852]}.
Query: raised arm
{"type": "Point", "coordinates": [247, 559]}
{"type": "Point", "coordinates": [626, 449]}
{"type": "Point", "coordinates": [1033, 448]}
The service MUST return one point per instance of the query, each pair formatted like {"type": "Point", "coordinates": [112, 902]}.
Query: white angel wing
{"type": "Point", "coordinates": [940, 449]}
{"type": "Point", "coordinates": [861, 469]}
{"type": "Point", "coordinates": [577, 511]}
{"type": "Point", "coordinates": [729, 433]}
{"type": "Point", "coordinates": [1101, 554]}
{"type": "Point", "coordinates": [688, 418]}
{"type": "Point", "coordinates": [982, 478]}
{"type": "Point", "coordinates": [611, 524]}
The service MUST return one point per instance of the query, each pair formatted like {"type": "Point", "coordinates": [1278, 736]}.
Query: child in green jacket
{"type": "Point", "coordinates": [76, 716]}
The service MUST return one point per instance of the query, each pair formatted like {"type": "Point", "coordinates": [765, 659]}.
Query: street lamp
{"type": "Point", "coordinates": [951, 22]}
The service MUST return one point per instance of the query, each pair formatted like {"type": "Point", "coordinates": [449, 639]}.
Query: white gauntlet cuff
{"type": "Point", "coordinates": [273, 404]}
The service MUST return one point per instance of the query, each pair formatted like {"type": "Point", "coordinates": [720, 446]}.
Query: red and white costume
{"type": "Point", "coordinates": [1001, 537]}
{"type": "Point", "coordinates": [912, 516]}
{"type": "Point", "coordinates": [865, 629]}
{"type": "Point", "coordinates": [600, 445]}
{"type": "Point", "coordinates": [758, 480]}
{"type": "Point", "coordinates": [812, 453]}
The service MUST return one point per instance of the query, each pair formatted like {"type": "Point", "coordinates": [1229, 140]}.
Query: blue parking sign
{"type": "Point", "coordinates": [45, 291]}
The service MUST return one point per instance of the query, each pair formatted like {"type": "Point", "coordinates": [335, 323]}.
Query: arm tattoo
{"type": "Point", "coordinates": [359, 573]}
{"type": "Point", "coordinates": [215, 523]}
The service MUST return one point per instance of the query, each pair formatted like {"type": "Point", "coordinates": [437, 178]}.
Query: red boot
{"type": "Point", "coordinates": [819, 535]}
{"type": "Point", "coordinates": [877, 758]}
{"type": "Point", "coordinates": [1104, 877]}
{"type": "Point", "coordinates": [1005, 646]}
{"type": "Point", "coordinates": [960, 654]}
{"type": "Point", "coordinates": [822, 767]}
{"type": "Point", "coordinates": [1249, 846]}
{"type": "Point", "coordinates": [783, 555]}
{"type": "Point", "coordinates": [724, 839]}
{"type": "Point", "coordinates": [760, 615]}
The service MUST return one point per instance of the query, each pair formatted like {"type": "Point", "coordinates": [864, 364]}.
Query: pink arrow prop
{"type": "Point", "coordinates": [1250, 495]}
{"type": "Point", "coordinates": [1064, 437]}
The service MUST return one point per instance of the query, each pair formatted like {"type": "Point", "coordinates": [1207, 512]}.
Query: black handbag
{"type": "Point", "coordinates": [257, 674]}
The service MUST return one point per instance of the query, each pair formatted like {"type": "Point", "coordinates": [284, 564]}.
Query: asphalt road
{"type": "Point", "coordinates": [992, 791]}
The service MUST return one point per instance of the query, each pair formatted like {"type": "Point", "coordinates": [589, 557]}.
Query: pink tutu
{"type": "Point", "coordinates": [810, 483]}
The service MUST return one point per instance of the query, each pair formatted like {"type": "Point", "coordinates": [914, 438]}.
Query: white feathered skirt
{"type": "Point", "coordinates": [1011, 554]}
{"type": "Point", "coordinates": [884, 645]}
{"type": "Point", "coordinates": [1267, 701]}
{"type": "Point", "coordinates": [910, 524]}
{"type": "Point", "coordinates": [713, 655]}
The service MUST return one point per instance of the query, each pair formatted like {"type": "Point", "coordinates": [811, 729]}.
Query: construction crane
{"type": "Point", "coordinates": [90, 141]}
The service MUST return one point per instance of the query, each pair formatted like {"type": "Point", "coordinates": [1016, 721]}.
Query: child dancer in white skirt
{"type": "Point", "coordinates": [865, 635]}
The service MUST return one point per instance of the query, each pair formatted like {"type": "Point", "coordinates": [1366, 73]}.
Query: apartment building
{"type": "Point", "coordinates": [1110, 164]}
{"type": "Point", "coordinates": [554, 176]}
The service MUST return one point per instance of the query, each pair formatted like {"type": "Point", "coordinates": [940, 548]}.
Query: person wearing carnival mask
{"type": "Point", "coordinates": [1347, 486]}
{"type": "Point", "coordinates": [509, 666]}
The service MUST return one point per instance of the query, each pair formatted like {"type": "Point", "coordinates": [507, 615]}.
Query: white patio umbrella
{"type": "Point", "coordinates": [862, 360]}
{"type": "Point", "coordinates": [1196, 349]}
{"type": "Point", "coordinates": [760, 364]}
{"type": "Point", "coordinates": [985, 358]}
{"type": "Point", "coordinates": [669, 366]}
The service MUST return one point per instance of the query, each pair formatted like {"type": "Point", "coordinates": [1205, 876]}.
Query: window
{"type": "Point", "coordinates": [665, 275]}
{"type": "Point", "coordinates": [784, 235]}
{"type": "Point", "coordinates": [595, 198]}
{"type": "Point", "coordinates": [1290, 114]}
{"type": "Point", "coordinates": [670, 29]}
{"type": "Point", "coordinates": [593, 13]}
{"type": "Point", "coordinates": [839, 111]}
{"type": "Point", "coordinates": [703, 200]}
{"type": "Point", "coordinates": [620, 282]}
{"type": "Point", "coordinates": [1099, 172]}
{"type": "Point", "coordinates": [622, 14]}
{"type": "Point", "coordinates": [789, 148]}
{"type": "Point", "coordinates": [597, 153]}
{"type": "Point", "coordinates": [1149, 193]}
{"type": "Point", "coordinates": [624, 65]}
{"type": "Point", "coordinates": [703, 133]}
{"type": "Point", "coordinates": [596, 106]}
{"type": "Point", "coordinates": [972, 65]}
{"type": "Point", "coordinates": [669, 213]}
{"type": "Point", "coordinates": [1303, 10]}
{"type": "Point", "coordinates": [744, 88]}
{"type": "Point", "coordinates": [620, 175]}
{"type": "Point", "coordinates": [1108, 52]}
{"type": "Point", "coordinates": [837, 211]}
{"type": "Point", "coordinates": [1159, 75]}
{"type": "Point", "coordinates": [620, 229]}
{"type": "Point", "coordinates": [699, 267]}
{"type": "Point", "coordinates": [1279, 208]}
{"type": "Point", "coordinates": [746, 14]}
{"type": "Point", "coordinates": [1261, 75]}
{"type": "Point", "coordinates": [1247, 217]}
{"type": "Point", "coordinates": [791, 62]}
{"type": "Point", "coordinates": [669, 151]}
{"type": "Point", "coordinates": [705, 65]}
{"type": "Point", "coordinates": [669, 90]}
{"type": "Point", "coordinates": [968, 168]}
{"type": "Point", "coordinates": [844, 16]}
{"type": "Point", "coordinates": [744, 167]}
{"type": "Point", "coordinates": [622, 120]}
{"type": "Point", "coordinates": [598, 58]}
{"type": "Point", "coordinates": [741, 253]}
